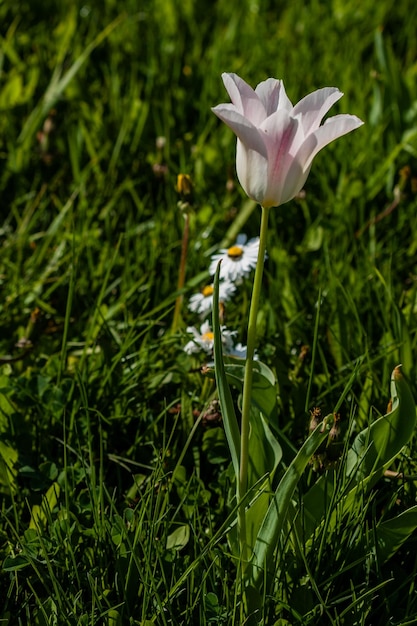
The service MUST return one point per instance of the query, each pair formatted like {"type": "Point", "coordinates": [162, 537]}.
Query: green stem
{"type": "Point", "coordinates": [181, 272]}
{"type": "Point", "coordinates": [247, 386]}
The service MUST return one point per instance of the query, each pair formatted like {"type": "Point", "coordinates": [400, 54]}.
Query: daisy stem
{"type": "Point", "coordinates": [181, 271]}
{"type": "Point", "coordinates": [247, 385]}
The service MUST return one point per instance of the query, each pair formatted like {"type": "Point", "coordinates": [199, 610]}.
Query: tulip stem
{"type": "Point", "coordinates": [247, 386]}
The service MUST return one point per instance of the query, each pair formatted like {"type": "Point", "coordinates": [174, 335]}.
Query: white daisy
{"type": "Point", "coordinates": [203, 340]}
{"type": "Point", "coordinates": [239, 350]}
{"type": "Point", "coordinates": [202, 303]}
{"type": "Point", "coordinates": [237, 261]}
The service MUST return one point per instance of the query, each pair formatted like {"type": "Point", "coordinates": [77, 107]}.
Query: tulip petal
{"type": "Point", "coordinates": [294, 181]}
{"type": "Point", "coordinates": [281, 131]}
{"type": "Point", "coordinates": [252, 171]}
{"type": "Point", "coordinates": [332, 129]}
{"type": "Point", "coordinates": [313, 108]}
{"type": "Point", "coordinates": [273, 96]}
{"type": "Point", "coordinates": [244, 98]}
{"type": "Point", "coordinates": [278, 131]}
{"type": "Point", "coordinates": [242, 127]}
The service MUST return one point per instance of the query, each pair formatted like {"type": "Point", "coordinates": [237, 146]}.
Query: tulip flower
{"type": "Point", "coordinates": [276, 145]}
{"type": "Point", "coordinates": [276, 141]}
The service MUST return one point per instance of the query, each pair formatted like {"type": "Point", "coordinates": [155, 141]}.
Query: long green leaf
{"type": "Point", "coordinates": [264, 393]}
{"type": "Point", "coordinates": [265, 454]}
{"type": "Point", "coordinates": [225, 397]}
{"type": "Point", "coordinates": [376, 447]}
{"type": "Point", "coordinates": [390, 535]}
{"type": "Point", "coordinates": [373, 451]}
{"type": "Point", "coordinates": [272, 525]}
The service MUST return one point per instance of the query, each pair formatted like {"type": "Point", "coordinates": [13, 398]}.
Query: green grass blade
{"type": "Point", "coordinates": [56, 88]}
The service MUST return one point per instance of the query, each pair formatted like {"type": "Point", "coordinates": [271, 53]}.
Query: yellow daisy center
{"type": "Point", "coordinates": [235, 252]}
{"type": "Point", "coordinates": [208, 291]}
{"type": "Point", "coordinates": [208, 336]}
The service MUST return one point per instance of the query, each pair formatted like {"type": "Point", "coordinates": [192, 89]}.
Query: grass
{"type": "Point", "coordinates": [110, 511]}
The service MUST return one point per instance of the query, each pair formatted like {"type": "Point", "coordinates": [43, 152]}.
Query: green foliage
{"type": "Point", "coordinates": [115, 478]}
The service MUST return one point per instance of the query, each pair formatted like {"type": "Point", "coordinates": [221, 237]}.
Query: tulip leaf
{"type": "Point", "coordinates": [376, 447]}
{"type": "Point", "coordinates": [264, 450]}
{"type": "Point", "coordinates": [231, 427]}
{"type": "Point", "coordinates": [270, 530]}
{"type": "Point", "coordinates": [373, 451]}
{"type": "Point", "coordinates": [265, 453]}
{"type": "Point", "coordinates": [264, 394]}
{"type": "Point", "coordinates": [392, 533]}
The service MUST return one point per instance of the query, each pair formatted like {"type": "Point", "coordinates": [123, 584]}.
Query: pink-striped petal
{"type": "Point", "coordinates": [280, 133]}
{"type": "Point", "coordinates": [273, 96]}
{"type": "Point", "coordinates": [332, 129]}
{"type": "Point", "coordinates": [313, 108]}
{"type": "Point", "coordinates": [244, 98]}
{"type": "Point", "coordinates": [242, 127]}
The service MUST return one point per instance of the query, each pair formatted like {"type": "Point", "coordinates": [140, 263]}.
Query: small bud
{"type": "Point", "coordinates": [315, 418]}
{"type": "Point", "coordinates": [160, 142]}
{"type": "Point", "coordinates": [334, 432]}
{"type": "Point", "coordinates": [184, 185]}
{"type": "Point", "coordinates": [211, 414]}
{"type": "Point", "coordinates": [160, 170]}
